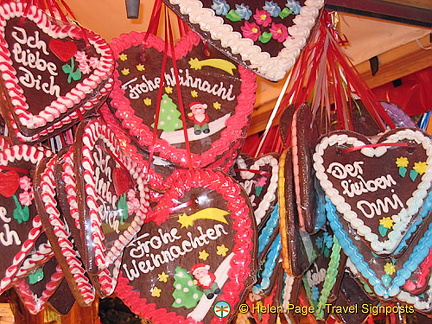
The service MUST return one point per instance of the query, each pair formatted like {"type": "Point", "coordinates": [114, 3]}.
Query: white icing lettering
{"type": "Point", "coordinates": [370, 209]}
{"type": "Point", "coordinates": [20, 35]}
{"type": "Point", "coordinates": [8, 237]}
{"type": "Point", "coordinates": [340, 171]}
{"type": "Point", "coordinates": [352, 189]}
{"type": "Point", "coordinates": [30, 81]}
{"type": "Point", "coordinates": [137, 87]}
{"type": "Point", "coordinates": [149, 253]}
{"type": "Point", "coordinates": [110, 217]}
{"type": "Point", "coordinates": [317, 277]}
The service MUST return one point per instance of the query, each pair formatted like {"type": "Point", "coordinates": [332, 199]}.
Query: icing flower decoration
{"type": "Point", "coordinates": [251, 30]}
{"type": "Point", "coordinates": [272, 8]}
{"type": "Point", "coordinates": [243, 11]}
{"type": "Point", "coordinates": [25, 183]}
{"type": "Point", "coordinates": [294, 6]}
{"type": "Point", "coordinates": [389, 268]}
{"type": "Point", "coordinates": [387, 222]}
{"type": "Point", "coordinates": [262, 18]}
{"type": "Point", "coordinates": [402, 163]}
{"type": "Point", "coordinates": [419, 168]}
{"type": "Point", "coordinates": [220, 7]}
{"type": "Point", "coordinates": [26, 197]}
{"type": "Point", "coordinates": [279, 32]}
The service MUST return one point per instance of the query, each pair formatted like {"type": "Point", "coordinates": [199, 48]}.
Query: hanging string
{"type": "Point", "coordinates": [179, 96]}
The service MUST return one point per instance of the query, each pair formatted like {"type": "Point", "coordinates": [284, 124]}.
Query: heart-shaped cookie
{"type": "Point", "coordinates": [259, 178]}
{"type": "Point", "coordinates": [378, 188]}
{"type": "Point", "coordinates": [49, 71]}
{"type": "Point", "coordinates": [265, 36]}
{"type": "Point", "coordinates": [108, 221]}
{"type": "Point", "coordinates": [20, 225]}
{"type": "Point", "coordinates": [197, 255]}
{"type": "Point", "coordinates": [217, 98]}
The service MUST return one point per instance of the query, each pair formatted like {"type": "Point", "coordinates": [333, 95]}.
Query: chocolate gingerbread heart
{"type": "Point", "coordinates": [379, 187]}
{"type": "Point", "coordinates": [259, 178]}
{"type": "Point", "coordinates": [108, 221]}
{"type": "Point", "coordinates": [19, 220]}
{"type": "Point", "coordinates": [52, 74]}
{"type": "Point", "coordinates": [196, 256]}
{"type": "Point", "coordinates": [265, 36]}
{"type": "Point", "coordinates": [213, 114]}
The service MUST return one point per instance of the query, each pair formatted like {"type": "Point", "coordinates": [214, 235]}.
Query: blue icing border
{"type": "Point", "coordinates": [267, 231]}
{"type": "Point", "coordinates": [269, 265]}
{"type": "Point", "coordinates": [417, 256]}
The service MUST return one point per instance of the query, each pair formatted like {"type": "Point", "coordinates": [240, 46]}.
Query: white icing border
{"type": "Point", "coordinates": [344, 209]}
{"type": "Point", "coordinates": [272, 68]}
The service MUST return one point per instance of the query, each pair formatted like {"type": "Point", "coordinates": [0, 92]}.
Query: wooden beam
{"type": "Point", "coordinates": [397, 11]}
{"type": "Point", "coordinates": [394, 64]}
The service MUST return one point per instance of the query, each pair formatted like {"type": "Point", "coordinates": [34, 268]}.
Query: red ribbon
{"type": "Point", "coordinates": [360, 147]}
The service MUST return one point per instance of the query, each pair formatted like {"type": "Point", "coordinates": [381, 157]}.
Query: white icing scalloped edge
{"type": "Point", "coordinates": [272, 68]}
{"type": "Point", "coordinates": [414, 203]}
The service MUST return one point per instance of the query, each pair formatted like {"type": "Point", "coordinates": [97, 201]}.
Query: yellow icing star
{"type": "Point", "coordinates": [147, 101]}
{"type": "Point", "coordinates": [222, 250]}
{"type": "Point", "coordinates": [123, 57]}
{"type": "Point", "coordinates": [217, 105]}
{"type": "Point", "coordinates": [402, 162]}
{"type": "Point", "coordinates": [194, 94]}
{"type": "Point", "coordinates": [156, 292]}
{"type": "Point", "coordinates": [163, 277]}
{"type": "Point", "coordinates": [125, 71]}
{"type": "Point", "coordinates": [203, 255]}
{"type": "Point", "coordinates": [140, 67]}
{"type": "Point", "coordinates": [168, 90]}
{"type": "Point", "coordinates": [420, 167]}
{"type": "Point", "coordinates": [389, 268]}
{"type": "Point", "coordinates": [387, 222]}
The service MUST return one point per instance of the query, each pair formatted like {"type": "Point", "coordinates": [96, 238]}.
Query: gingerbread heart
{"type": "Point", "coordinates": [265, 36]}
{"type": "Point", "coordinates": [108, 221]}
{"type": "Point", "coordinates": [378, 188]}
{"type": "Point", "coordinates": [196, 256]}
{"type": "Point", "coordinates": [49, 71]}
{"type": "Point", "coordinates": [20, 225]}
{"type": "Point", "coordinates": [259, 178]}
{"type": "Point", "coordinates": [213, 114]}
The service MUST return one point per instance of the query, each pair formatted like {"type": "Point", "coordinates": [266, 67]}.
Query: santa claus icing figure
{"type": "Point", "coordinates": [200, 118]}
{"type": "Point", "coordinates": [205, 279]}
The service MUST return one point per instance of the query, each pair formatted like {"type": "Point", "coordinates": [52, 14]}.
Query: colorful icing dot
{"type": "Point", "coordinates": [156, 292]}
{"type": "Point", "coordinates": [125, 71]}
{"type": "Point", "coordinates": [140, 67]}
{"type": "Point", "coordinates": [147, 101]}
{"type": "Point", "coordinates": [123, 57]}
{"type": "Point", "coordinates": [217, 105]}
{"type": "Point", "coordinates": [163, 277]}
{"type": "Point", "coordinates": [194, 94]}
{"type": "Point", "coordinates": [168, 89]}
{"type": "Point", "coordinates": [203, 255]}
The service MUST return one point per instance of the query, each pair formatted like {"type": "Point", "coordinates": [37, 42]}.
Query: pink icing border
{"type": "Point", "coordinates": [63, 103]}
{"type": "Point", "coordinates": [13, 153]}
{"type": "Point", "coordinates": [144, 135]}
{"type": "Point", "coordinates": [243, 225]}
{"type": "Point", "coordinates": [81, 288]}
{"type": "Point", "coordinates": [93, 131]}
{"type": "Point", "coordinates": [105, 280]}
{"type": "Point", "coordinates": [33, 303]}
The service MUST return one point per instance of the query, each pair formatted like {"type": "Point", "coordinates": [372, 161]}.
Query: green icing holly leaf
{"type": "Point", "coordinates": [71, 72]}
{"type": "Point", "coordinates": [36, 276]}
{"type": "Point", "coordinates": [265, 37]}
{"type": "Point", "coordinates": [20, 213]}
{"type": "Point", "coordinates": [285, 13]}
{"type": "Point", "coordinates": [382, 230]}
{"type": "Point", "coordinates": [386, 279]}
{"type": "Point", "coordinates": [233, 15]}
{"type": "Point", "coordinates": [122, 205]}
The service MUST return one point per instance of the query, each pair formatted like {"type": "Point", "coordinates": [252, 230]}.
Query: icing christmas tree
{"type": "Point", "coordinates": [186, 293]}
{"type": "Point", "coordinates": [169, 118]}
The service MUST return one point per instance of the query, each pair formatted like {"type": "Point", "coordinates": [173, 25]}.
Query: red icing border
{"type": "Point", "coordinates": [244, 246]}
{"type": "Point", "coordinates": [62, 104]}
{"type": "Point", "coordinates": [144, 135]}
